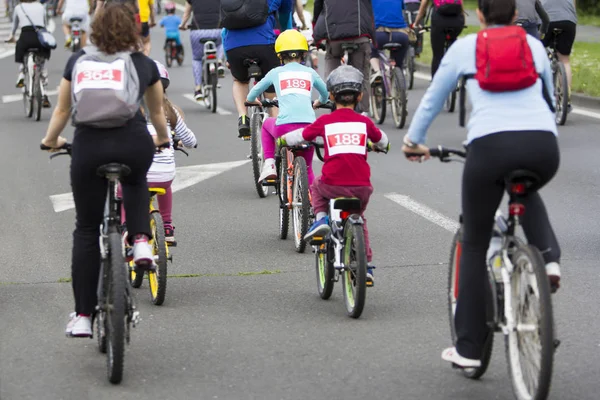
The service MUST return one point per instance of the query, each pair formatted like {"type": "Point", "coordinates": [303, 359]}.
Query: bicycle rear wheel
{"type": "Point", "coordinates": [213, 89]}
{"type": "Point", "coordinates": [284, 211]}
{"type": "Point", "coordinates": [325, 271]}
{"type": "Point", "coordinates": [561, 92]}
{"type": "Point", "coordinates": [115, 309]}
{"type": "Point", "coordinates": [37, 96]}
{"type": "Point", "coordinates": [158, 280]}
{"type": "Point", "coordinates": [411, 67]}
{"type": "Point", "coordinates": [354, 275]}
{"type": "Point", "coordinates": [453, 273]}
{"type": "Point", "coordinates": [300, 203]}
{"type": "Point", "coordinates": [530, 347]}
{"type": "Point", "coordinates": [378, 102]}
{"type": "Point", "coordinates": [451, 101]}
{"type": "Point", "coordinates": [257, 152]}
{"type": "Point", "coordinates": [399, 99]}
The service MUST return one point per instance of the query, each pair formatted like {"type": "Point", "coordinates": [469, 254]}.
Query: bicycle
{"type": "Point", "coordinates": [75, 34]}
{"type": "Point", "coordinates": [517, 283]}
{"type": "Point", "coordinates": [409, 61]}
{"type": "Point", "coordinates": [343, 252]}
{"type": "Point", "coordinates": [210, 74]}
{"type": "Point", "coordinates": [33, 87]}
{"type": "Point", "coordinates": [561, 84]}
{"type": "Point", "coordinates": [116, 311]}
{"type": "Point", "coordinates": [392, 82]}
{"type": "Point", "coordinates": [172, 53]}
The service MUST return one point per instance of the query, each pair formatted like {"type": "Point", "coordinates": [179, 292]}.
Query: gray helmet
{"type": "Point", "coordinates": [345, 79]}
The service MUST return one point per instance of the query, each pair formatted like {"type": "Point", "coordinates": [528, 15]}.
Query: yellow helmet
{"type": "Point", "coordinates": [290, 40]}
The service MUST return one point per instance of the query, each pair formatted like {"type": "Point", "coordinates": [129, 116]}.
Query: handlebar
{"type": "Point", "coordinates": [266, 103]}
{"type": "Point", "coordinates": [443, 153]}
{"type": "Point", "coordinates": [66, 150]}
{"type": "Point", "coordinates": [176, 140]}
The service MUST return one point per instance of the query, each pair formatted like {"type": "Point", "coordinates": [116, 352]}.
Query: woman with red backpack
{"type": "Point", "coordinates": [447, 19]}
{"type": "Point", "coordinates": [512, 126]}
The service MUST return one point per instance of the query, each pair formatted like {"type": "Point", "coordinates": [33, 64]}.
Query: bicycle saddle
{"type": "Point", "coordinates": [347, 204]}
{"type": "Point", "coordinates": [350, 47]}
{"type": "Point", "coordinates": [113, 169]}
{"type": "Point", "coordinates": [75, 19]}
{"type": "Point", "coordinates": [530, 179]}
{"type": "Point", "coordinates": [157, 191]}
{"type": "Point", "coordinates": [204, 40]}
{"type": "Point", "coordinates": [557, 31]}
{"type": "Point", "coordinates": [33, 50]}
{"type": "Point", "coordinates": [392, 46]}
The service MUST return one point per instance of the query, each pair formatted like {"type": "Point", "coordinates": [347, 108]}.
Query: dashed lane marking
{"type": "Point", "coordinates": [424, 211]}
{"type": "Point", "coordinates": [220, 111]}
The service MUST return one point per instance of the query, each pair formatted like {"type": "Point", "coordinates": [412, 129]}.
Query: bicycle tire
{"type": "Point", "coordinates": [411, 68]}
{"type": "Point", "coordinates": [451, 101]}
{"type": "Point", "coordinates": [135, 278]}
{"type": "Point", "coordinates": [168, 52]}
{"type": "Point", "coordinates": [100, 318]}
{"type": "Point", "coordinates": [354, 285]}
{"type": "Point", "coordinates": [27, 99]}
{"type": "Point", "coordinates": [284, 211]}
{"type": "Point", "coordinates": [300, 213]}
{"type": "Point", "coordinates": [157, 281]}
{"type": "Point", "coordinates": [399, 98]}
{"type": "Point", "coordinates": [116, 312]}
{"type": "Point", "coordinates": [455, 253]}
{"type": "Point", "coordinates": [536, 269]}
{"type": "Point", "coordinates": [561, 93]}
{"type": "Point", "coordinates": [37, 96]}
{"type": "Point", "coordinates": [378, 102]}
{"type": "Point", "coordinates": [325, 271]}
{"type": "Point", "coordinates": [213, 81]}
{"type": "Point", "coordinates": [76, 45]}
{"type": "Point", "coordinates": [257, 153]}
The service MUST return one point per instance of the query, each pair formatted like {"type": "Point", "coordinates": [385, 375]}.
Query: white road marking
{"type": "Point", "coordinates": [11, 98]}
{"type": "Point", "coordinates": [220, 111]}
{"type": "Point", "coordinates": [10, 52]}
{"type": "Point", "coordinates": [420, 75]}
{"type": "Point", "coordinates": [424, 211]}
{"type": "Point", "coordinates": [186, 177]}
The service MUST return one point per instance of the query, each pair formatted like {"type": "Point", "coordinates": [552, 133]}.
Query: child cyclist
{"type": "Point", "coordinates": [171, 24]}
{"type": "Point", "coordinates": [346, 133]}
{"type": "Point", "coordinates": [293, 84]}
{"type": "Point", "coordinates": [162, 171]}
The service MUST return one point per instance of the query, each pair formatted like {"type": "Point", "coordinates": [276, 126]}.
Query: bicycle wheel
{"type": "Point", "coordinates": [168, 54]}
{"type": "Point", "coordinates": [411, 67]}
{"type": "Point", "coordinates": [158, 280]}
{"type": "Point", "coordinates": [37, 96]}
{"type": "Point", "coordinates": [115, 309]}
{"type": "Point", "coordinates": [100, 318]}
{"type": "Point", "coordinates": [213, 83]}
{"type": "Point", "coordinates": [530, 347]}
{"type": "Point", "coordinates": [399, 99]}
{"type": "Point", "coordinates": [378, 102]}
{"type": "Point", "coordinates": [325, 271]}
{"type": "Point", "coordinates": [354, 275]}
{"type": "Point", "coordinates": [453, 273]}
{"type": "Point", "coordinates": [257, 152]}
{"type": "Point", "coordinates": [76, 45]}
{"type": "Point", "coordinates": [300, 203]}
{"type": "Point", "coordinates": [284, 211]}
{"type": "Point", "coordinates": [27, 99]}
{"type": "Point", "coordinates": [451, 101]}
{"type": "Point", "coordinates": [561, 92]}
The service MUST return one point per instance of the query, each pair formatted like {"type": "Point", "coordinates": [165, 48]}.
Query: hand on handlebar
{"type": "Point", "coordinates": [53, 146]}
{"type": "Point", "coordinates": [281, 142]}
{"type": "Point", "coordinates": [11, 39]}
{"type": "Point", "coordinates": [415, 153]}
{"type": "Point", "coordinates": [161, 143]}
{"type": "Point", "coordinates": [182, 27]}
{"type": "Point", "coordinates": [256, 102]}
{"type": "Point", "coordinates": [377, 149]}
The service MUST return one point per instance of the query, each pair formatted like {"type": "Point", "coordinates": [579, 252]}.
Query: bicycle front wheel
{"type": "Point", "coordinates": [158, 280]}
{"type": "Point", "coordinates": [257, 152]}
{"type": "Point", "coordinates": [530, 346]}
{"type": "Point", "coordinates": [561, 92]}
{"type": "Point", "coordinates": [453, 273]}
{"type": "Point", "coordinates": [354, 275]}
{"type": "Point", "coordinates": [300, 203]}
{"type": "Point", "coordinates": [399, 99]}
{"type": "Point", "coordinates": [284, 211]}
{"type": "Point", "coordinates": [115, 309]}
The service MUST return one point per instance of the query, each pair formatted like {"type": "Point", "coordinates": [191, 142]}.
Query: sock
{"type": "Point", "coordinates": [321, 215]}
{"type": "Point", "coordinates": [140, 238]}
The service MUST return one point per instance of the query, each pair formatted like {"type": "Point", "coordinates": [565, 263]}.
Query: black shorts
{"type": "Point", "coordinates": [145, 29]}
{"type": "Point", "coordinates": [564, 40]}
{"type": "Point", "coordinates": [265, 54]}
{"type": "Point", "coordinates": [29, 40]}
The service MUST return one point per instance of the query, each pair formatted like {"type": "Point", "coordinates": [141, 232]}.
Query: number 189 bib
{"type": "Point", "coordinates": [346, 138]}
{"type": "Point", "coordinates": [298, 82]}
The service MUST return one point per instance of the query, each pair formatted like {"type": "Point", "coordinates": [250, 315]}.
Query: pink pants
{"type": "Point", "coordinates": [270, 132]}
{"type": "Point", "coordinates": [165, 202]}
{"type": "Point", "coordinates": [322, 193]}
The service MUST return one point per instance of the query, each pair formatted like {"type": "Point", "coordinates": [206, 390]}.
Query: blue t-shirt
{"type": "Point", "coordinates": [388, 14]}
{"type": "Point", "coordinates": [293, 84]}
{"type": "Point", "coordinates": [171, 24]}
{"type": "Point", "coordinates": [262, 34]}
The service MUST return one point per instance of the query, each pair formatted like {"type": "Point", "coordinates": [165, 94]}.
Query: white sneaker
{"type": "Point", "coordinates": [375, 78]}
{"type": "Point", "coordinates": [450, 354]}
{"type": "Point", "coordinates": [79, 326]}
{"type": "Point", "coordinates": [142, 253]}
{"type": "Point", "coordinates": [553, 272]}
{"type": "Point", "coordinates": [268, 170]}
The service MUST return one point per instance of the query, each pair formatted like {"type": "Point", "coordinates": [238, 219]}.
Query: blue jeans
{"type": "Point", "coordinates": [394, 37]}
{"type": "Point", "coordinates": [532, 28]}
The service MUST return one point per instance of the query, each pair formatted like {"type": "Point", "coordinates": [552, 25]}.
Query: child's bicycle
{"type": "Point", "coordinates": [343, 252]}
{"type": "Point", "coordinates": [518, 295]}
{"type": "Point", "coordinates": [172, 53]}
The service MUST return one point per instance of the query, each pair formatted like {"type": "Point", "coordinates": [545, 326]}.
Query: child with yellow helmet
{"type": "Point", "coordinates": [293, 84]}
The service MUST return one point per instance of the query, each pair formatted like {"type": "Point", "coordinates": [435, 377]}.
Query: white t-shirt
{"type": "Point", "coordinates": [77, 7]}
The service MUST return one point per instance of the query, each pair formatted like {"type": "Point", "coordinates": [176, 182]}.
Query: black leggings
{"type": "Point", "coordinates": [92, 149]}
{"type": "Point", "coordinates": [489, 160]}
{"type": "Point", "coordinates": [441, 26]}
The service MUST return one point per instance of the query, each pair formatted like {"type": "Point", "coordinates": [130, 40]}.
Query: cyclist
{"type": "Point", "coordinates": [205, 25]}
{"type": "Point", "coordinates": [75, 9]}
{"type": "Point", "coordinates": [346, 172]}
{"type": "Point", "coordinates": [529, 13]}
{"type": "Point", "coordinates": [146, 8]}
{"type": "Point", "coordinates": [497, 145]}
{"type": "Point", "coordinates": [346, 22]}
{"type": "Point", "coordinates": [293, 83]}
{"type": "Point", "coordinates": [255, 42]}
{"type": "Point", "coordinates": [113, 30]}
{"type": "Point", "coordinates": [412, 7]}
{"type": "Point", "coordinates": [563, 15]}
{"type": "Point", "coordinates": [390, 28]}
{"type": "Point", "coordinates": [171, 23]}
{"type": "Point", "coordinates": [28, 15]}
{"type": "Point", "coordinates": [162, 171]}
{"type": "Point", "coordinates": [445, 15]}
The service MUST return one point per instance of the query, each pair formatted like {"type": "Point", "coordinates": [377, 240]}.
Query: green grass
{"type": "Point", "coordinates": [588, 19]}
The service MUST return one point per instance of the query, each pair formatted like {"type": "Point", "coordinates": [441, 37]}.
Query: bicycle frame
{"type": "Point", "coordinates": [337, 223]}
{"type": "Point", "coordinates": [386, 65]}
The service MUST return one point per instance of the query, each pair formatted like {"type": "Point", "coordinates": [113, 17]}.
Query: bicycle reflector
{"type": "Point", "coordinates": [516, 209]}
{"type": "Point", "coordinates": [211, 56]}
{"type": "Point", "coordinates": [517, 188]}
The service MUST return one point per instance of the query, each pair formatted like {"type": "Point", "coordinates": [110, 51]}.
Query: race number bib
{"type": "Point", "coordinates": [346, 138]}
{"type": "Point", "coordinates": [295, 82]}
{"type": "Point", "coordinates": [99, 75]}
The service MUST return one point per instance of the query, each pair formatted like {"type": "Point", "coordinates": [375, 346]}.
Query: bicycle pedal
{"type": "Point", "coordinates": [317, 240]}
{"type": "Point", "coordinates": [245, 138]}
{"type": "Point", "coordinates": [269, 182]}
{"type": "Point", "coordinates": [136, 319]}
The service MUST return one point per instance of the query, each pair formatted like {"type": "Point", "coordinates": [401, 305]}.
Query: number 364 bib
{"type": "Point", "coordinates": [346, 138]}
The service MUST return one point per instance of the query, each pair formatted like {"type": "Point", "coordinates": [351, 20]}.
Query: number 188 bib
{"type": "Point", "coordinates": [346, 138]}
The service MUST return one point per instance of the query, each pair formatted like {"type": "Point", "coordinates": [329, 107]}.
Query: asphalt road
{"type": "Point", "coordinates": [249, 324]}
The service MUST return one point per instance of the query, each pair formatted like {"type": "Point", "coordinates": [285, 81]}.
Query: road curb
{"type": "Point", "coordinates": [578, 100]}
